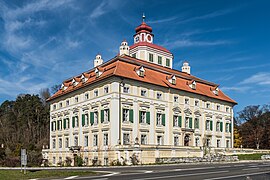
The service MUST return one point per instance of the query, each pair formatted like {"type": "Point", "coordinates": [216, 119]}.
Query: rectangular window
{"type": "Point", "coordinates": [151, 57]}
{"type": "Point", "coordinates": [186, 101]}
{"type": "Point", "coordinates": [159, 95]}
{"type": "Point", "coordinates": [86, 96]}
{"type": "Point", "coordinates": [159, 140]}
{"type": "Point", "coordinates": [187, 122]}
{"type": "Point", "coordinates": [175, 99]}
{"type": "Point", "coordinates": [105, 139]}
{"type": "Point", "coordinates": [228, 144]}
{"type": "Point", "coordinates": [218, 143]}
{"type": "Point", "coordinates": [95, 117]}
{"type": "Point", "coordinates": [125, 115]}
{"type": "Point", "coordinates": [218, 126]}
{"type": "Point", "coordinates": [167, 62]}
{"type": "Point", "coordinates": [53, 143]}
{"type": "Point", "coordinates": [126, 89]}
{"type": "Point", "coordinates": [228, 127]}
{"type": "Point", "coordinates": [176, 140]}
{"type": "Point", "coordinates": [106, 90]}
{"type": "Point", "coordinates": [54, 106]}
{"type": "Point", "coordinates": [126, 138]}
{"type": "Point", "coordinates": [227, 109]}
{"type": "Point", "coordinates": [60, 142]}
{"type": "Point", "coordinates": [197, 142]}
{"type": "Point", "coordinates": [95, 140]}
{"type": "Point", "coordinates": [218, 107]}
{"type": "Point", "coordinates": [159, 60]}
{"type": "Point", "coordinates": [96, 93]}
{"type": "Point", "coordinates": [175, 121]}
{"type": "Point", "coordinates": [85, 141]}
{"type": "Point", "coordinates": [106, 115]}
{"type": "Point", "coordinates": [196, 103]}
{"type": "Point", "coordinates": [207, 125]}
{"type": "Point", "coordinates": [67, 102]}
{"type": "Point", "coordinates": [76, 99]}
{"type": "Point", "coordinates": [196, 123]}
{"type": "Point", "coordinates": [159, 119]}
{"type": "Point", "coordinates": [60, 105]}
{"type": "Point", "coordinates": [143, 92]}
{"type": "Point", "coordinates": [66, 142]}
{"type": "Point", "coordinates": [143, 139]}
{"type": "Point", "coordinates": [142, 117]}
{"type": "Point", "coordinates": [208, 105]}
{"type": "Point", "coordinates": [76, 143]}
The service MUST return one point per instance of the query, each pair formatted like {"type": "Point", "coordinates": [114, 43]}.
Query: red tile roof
{"type": "Point", "coordinates": [150, 45]}
{"type": "Point", "coordinates": [124, 66]}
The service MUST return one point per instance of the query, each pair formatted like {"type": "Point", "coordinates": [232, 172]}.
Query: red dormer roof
{"type": "Point", "coordinates": [143, 27]}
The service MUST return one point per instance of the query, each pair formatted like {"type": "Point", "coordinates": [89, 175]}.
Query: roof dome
{"type": "Point", "coordinates": [143, 27]}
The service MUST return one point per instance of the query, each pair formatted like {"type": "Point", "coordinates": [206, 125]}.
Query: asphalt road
{"type": "Point", "coordinates": [228, 171]}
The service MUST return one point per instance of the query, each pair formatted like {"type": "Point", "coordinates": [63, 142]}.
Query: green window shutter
{"type": "Point", "coordinates": [163, 119]}
{"type": "Point", "coordinates": [190, 123]}
{"type": "Point", "coordinates": [131, 115]}
{"type": "Point", "coordinates": [102, 116]}
{"type": "Point", "coordinates": [211, 125]}
{"type": "Point", "coordinates": [140, 116]}
{"type": "Point", "coordinates": [198, 123]}
{"type": "Point", "coordinates": [65, 124]}
{"type": "Point", "coordinates": [91, 118]}
{"type": "Point", "coordinates": [230, 127]}
{"type": "Point", "coordinates": [221, 126]}
{"type": "Point", "coordinates": [180, 121]}
{"type": "Point", "coordinates": [83, 119]}
{"type": "Point", "coordinates": [148, 117]}
{"type": "Point", "coordinates": [73, 122]}
{"type": "Point", "coordinates": [108, 115]}
{"type": "Point", "coordinates": [52, 126]}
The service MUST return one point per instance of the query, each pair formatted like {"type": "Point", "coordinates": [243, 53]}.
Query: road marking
{"type": "Point", "coordinates": [148, 171]}
{"type": "Point", "coordinates": [250, 169]}
{"type": "Point", "coordinates": [241, 175]}
{"type": "Point", "coordinates": [192, 169]}
{"type": "Point", "coordinates": [114, 173]}
{"type": "Point", "coordinates": [71, 177]}
{"type": "Point", "coordinates": [183, 175]}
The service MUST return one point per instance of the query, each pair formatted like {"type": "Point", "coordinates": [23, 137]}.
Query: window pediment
{"type": "Point", "coordinates": [177, 109]}
{"type": "Point", "coordinates": [188, 111]}
{"type": "Point", "coordinates": [197, 113]}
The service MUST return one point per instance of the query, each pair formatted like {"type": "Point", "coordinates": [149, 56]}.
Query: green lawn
{"type": "Point", "coordinates": [45, 174]}
{"type": "Point", "coordinates": [249, 156]}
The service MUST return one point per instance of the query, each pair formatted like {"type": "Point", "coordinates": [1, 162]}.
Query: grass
{"type": "Point", "coordinates": [250, 156]}
{"type": "Point", "coordinates": [45, 174]}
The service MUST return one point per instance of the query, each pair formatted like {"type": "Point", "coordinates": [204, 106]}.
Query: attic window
{"type": "Point", "coordinates": [215, 91]}
{"type": "Point", "coordinates": [172, 79]}
{"type": "Point", "coordinates": [63, 87]}
{"type": "Point", "coordinates": [83, 78]}
{"type": "Point", "coordinates": [98, 72]}
{"type": "Point", "coordinates": [74, 82]}
{"type": "Point", "coordinates": [192, 85]}
{"type": "Point", "coordinates": [140, 71]}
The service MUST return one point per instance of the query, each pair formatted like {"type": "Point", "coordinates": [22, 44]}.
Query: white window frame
{"type": "Point", "coordinates": [175, 121]}
{"type": "Point", "coordinates": [60, 143]}
{"type": "Point", "coordinates": [126, 89]}
{"type": "Point", "coordinates": [187, 101]}
{"type": "Point", "coordinates": [175, 99]}
{"type": "Point", "coordinates": [125, 115]}
{"type": "Point", "coordinates": [86, 141]}
{"type": "Point", "coordinates": [159, 119]}
{"type": "Point", "coordinates": [95, 140]}
{"type": "Point", "coordinates": [106, 89]}
{"type": "Point", "coordinates": [95, 117]}
{"type": "Point", "coordinates": [96, 92]}
{"type": "Point", "coordinates": [66, 142]}
{"type": "Point", "coordinates": [143, 139]}
{"type": "Point", "coordinates": [105, 139]}
{"type": "Point", "coordinates": [176, 140]}
{"type": "Point", "coordinates": [143, 117]}
{"type": "Point", "coordinates": [143, 92]}
{"type": "Point", "coordinates": [159, 140]}
{"type": "Point", "coordinates": [126, 138]}
{"type": "Point", "coordinates": [53, 143]}
{"type": "Point", "coordinates": [76, 141]}
{"type": "Point", "coordinates": [159, 95]}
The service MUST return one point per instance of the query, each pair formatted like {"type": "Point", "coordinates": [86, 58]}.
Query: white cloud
{"type": "Point", "coordinates": [236, 89]}
{"type": "Point", "coordinates": [191, 43]}
{"type": "Point", "coordinates": [261, 78]}
{"type": "Point", "coordinates": [162, 20]}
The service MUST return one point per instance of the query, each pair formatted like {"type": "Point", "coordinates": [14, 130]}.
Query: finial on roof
{"type": "Point", "coordinates": [143, 17]}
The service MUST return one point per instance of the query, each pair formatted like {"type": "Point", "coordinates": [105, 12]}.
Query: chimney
{"type": "Point", "coordinates": [186, 67]}
{"type": "Point", "coordinates": [124, 48]}
{"type": "Point", "coordinates": [98, 61]}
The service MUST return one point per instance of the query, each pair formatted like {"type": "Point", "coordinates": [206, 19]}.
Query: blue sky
{"type": "Point", "coordinates": [43, 42]}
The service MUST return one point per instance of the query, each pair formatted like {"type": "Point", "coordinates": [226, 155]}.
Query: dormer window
{"type": "Point", "coordinates": [63, 87]}
{"type": "Point", "coordinates": [192, 84]}
{"type": "Point", "coordinates": [98, 72]}
{"type": "Point", "coordinates": [83, 79]}
{"type": "Point", "coordinates": [140, 71]}
{"type": "Point", "coordinates": [74, 82]}
{"type": "Point", "coordinates": [172, 79]}
{"type": "Point", "coordinates": [215, 90]}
